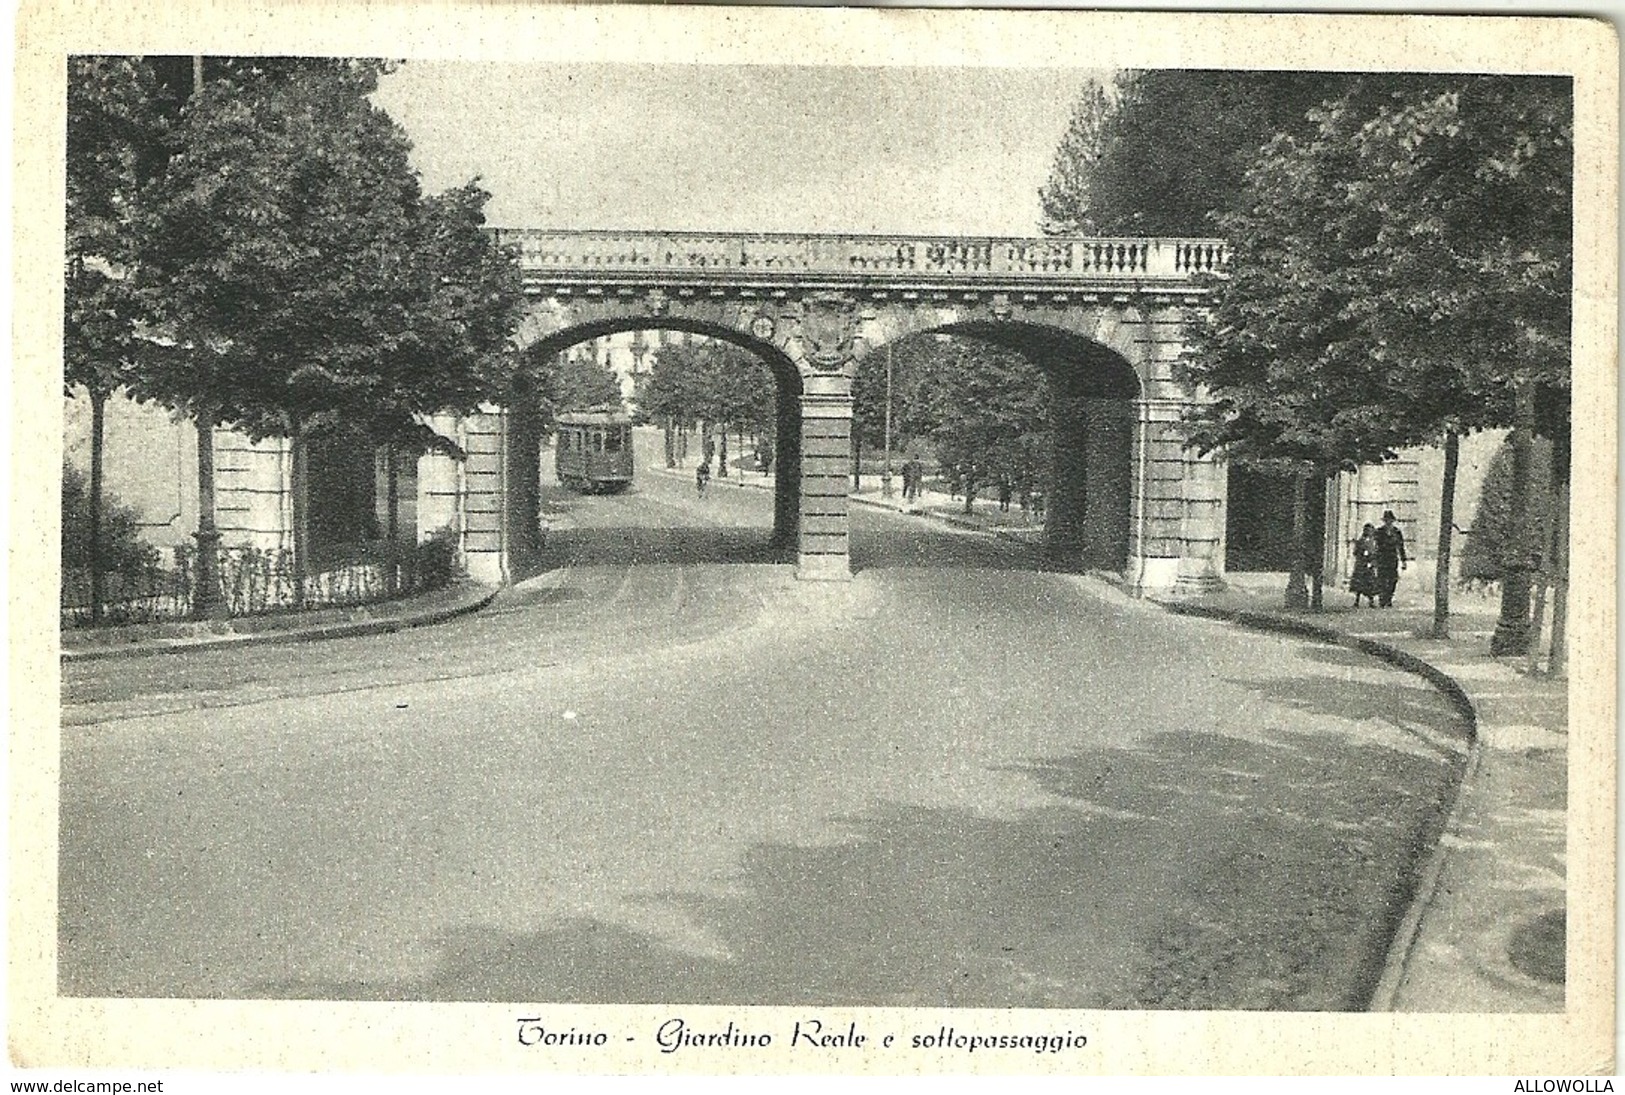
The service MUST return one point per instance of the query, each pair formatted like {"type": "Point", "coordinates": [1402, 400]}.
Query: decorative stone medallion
{"type": "Point", "coordinates": [828, 330]}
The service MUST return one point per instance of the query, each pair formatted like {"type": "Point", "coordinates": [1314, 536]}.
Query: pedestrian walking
{"type": "Point", "coordinates": [1363, 582]}
{"type": "Point", "coordinates": [702, 477]}
{"type": "Point", "coordinates": [1391, 558]}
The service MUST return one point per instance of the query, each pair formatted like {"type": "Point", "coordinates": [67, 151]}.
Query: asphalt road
{"type": "Point", "coordinates": [666, 771]}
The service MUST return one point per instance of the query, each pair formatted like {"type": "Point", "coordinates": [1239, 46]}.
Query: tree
{"type": "Point", "coordinates": [984, 409]}
{"type": "Point", "coordinates": [306, 281]}
{"type": "Point", "coordinates": [1477, 260]}
{"type": "Point", "coordinates": [584, 382]}
{"type": "Point", "coordinates": [116, 548]}
{"type": "Point", "coordinates": [463, 294]}
{"type": "Point", "coordinates": [1494, 542]}
{"type": "Point", "coordinates": [1173, 147]}
{"type": "Point", "coordinates": [670, 394]}
{"type": "Point", "coordinates": [1472, 177]}
{"type": "Point", "coordinates": [1065, 196]}
{"type": "Point", "coordinates": [713, 383]}
{"type": "Point", "coordinates": [870, 409]}
{"type": "Point", "coordinates": [114, 131]}
{"type": "Point", "coordinates": [1390, 275]}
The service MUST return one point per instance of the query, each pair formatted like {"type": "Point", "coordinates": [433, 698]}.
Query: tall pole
{"type": "Point", "coordinates": [1511, 635]}
{"type": "Point", "coordinates": [885, 474]}
{"type": "Point", "coordinates": [206, 602]}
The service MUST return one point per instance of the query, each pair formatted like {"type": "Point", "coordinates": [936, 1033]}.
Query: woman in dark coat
{"type": "Point", "coordinates": [1363, 582]}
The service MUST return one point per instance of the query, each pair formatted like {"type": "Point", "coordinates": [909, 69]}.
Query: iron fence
{"type": "Point", "coordinates": [258, 581]}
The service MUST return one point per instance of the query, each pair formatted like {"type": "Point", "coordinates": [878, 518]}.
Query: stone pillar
{"type": "Point", "coordinates": [253, 495]}
{"type": "Point", "coordinates": [485, 532]}
{"type": "Point", "coordinates": [1341, 532]}
{"type": "Point", "coordinates": [439, 484]}
{"type": "Point", "coordinates": [1201, 531]}
{"type": "Point", "coordinates": [523, 480]}
{"type": "Point", "coordinates": [823, 550]}
{"type": "Point", "coordinates": [1157, 507]}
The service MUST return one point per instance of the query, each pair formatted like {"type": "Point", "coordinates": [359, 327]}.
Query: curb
{"type": "Point", "coordinates": [952, 520]}
{"type": "Point", "coordinates": [345, 629]}
{"type": "Point", "coordinates": [871, 503]}
{"type": "Point", "coordinates": [1428, 864]}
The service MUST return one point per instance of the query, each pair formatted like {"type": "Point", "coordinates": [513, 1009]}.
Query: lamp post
{"type": "Point", "coordinates": [885, 474]}
{"type": "Point", "coordinates": [207, 603]}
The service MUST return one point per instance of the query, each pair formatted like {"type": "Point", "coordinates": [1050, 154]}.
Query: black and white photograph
{"type": "Point", "coordinates": [814, 541]}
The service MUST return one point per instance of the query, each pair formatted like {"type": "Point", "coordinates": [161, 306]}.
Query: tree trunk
{"type": "Point", "coordinates": [857, 463]}
{"type": "Point", "coordinates": [1562, 457]}
{"type": "Point", "coordinates": [1447, 528]}
{"type": "Point", "coordinates": [671, 445]}
{"type": "Point", "coordinates": [1512, 629]}
{"type": "Point", "coordinates": [1558, 666]}
{"type": "Point", "coordinates": [722, 453]}
{"type": "Point", "coordinates": [98, 559]}
{"type": "Point", "coordinates": [206, 601]}
{"type": "Point", "coordinates": [392, 532]}
{"type": "Point", "coordinates": [1297, 590]}
{"type": "Point", "coordinates": [1317, 562]}
{"type": "Point", "coordinates": [299, 488]}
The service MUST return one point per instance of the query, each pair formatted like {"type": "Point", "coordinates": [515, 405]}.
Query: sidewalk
{"type": "Point", "coordinates": [985, 515]}
{"type": "Point", "coordinates": [1485, 932]}
{"type": "Point", "coordinates": [80, 644]}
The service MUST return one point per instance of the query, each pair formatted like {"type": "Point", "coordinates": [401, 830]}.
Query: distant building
{"type": "Point", "coordinates": [630, 355]}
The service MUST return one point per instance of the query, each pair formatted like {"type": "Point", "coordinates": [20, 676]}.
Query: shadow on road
{"type": "Point", "coordinates": [872, 548]}
{"type": "Point", "coordinates": [1197, 871]}
{"type": "Point", "coordinates": [630, 545]}
{"type": "Point", "coordinates": [1408, 704]}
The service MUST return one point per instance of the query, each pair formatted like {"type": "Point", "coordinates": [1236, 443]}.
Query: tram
{"type": "Point", "coordinates": [593, 450]}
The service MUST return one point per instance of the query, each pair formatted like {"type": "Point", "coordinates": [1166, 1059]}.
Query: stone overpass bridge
{"type": "Point", "coordinates": [1102, 317]}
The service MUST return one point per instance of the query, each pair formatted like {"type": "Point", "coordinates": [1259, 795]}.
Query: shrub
{"type": "Point", "coordinates": [435, 562]}
{"type": "Point", "coordinates": [1484, 553]}
{"type": "Point", "coordinates": [123, 552]}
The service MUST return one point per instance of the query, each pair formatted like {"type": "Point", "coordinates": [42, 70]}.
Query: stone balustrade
{"type": "Point", "coordinates": [545, 254]}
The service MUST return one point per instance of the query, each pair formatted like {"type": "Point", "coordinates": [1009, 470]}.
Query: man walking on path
{"type": "Point", "coordinates": [1390, 559]}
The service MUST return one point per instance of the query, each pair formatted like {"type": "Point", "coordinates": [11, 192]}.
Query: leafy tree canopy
{"type": "Point", "coordinates": [114, 137]}
{"type": "Point", "coordinates": [712, 381]}
{"type": "Point", "coordinates": [1391, 275]}
{"type": "Point", "coordinates": [1172, 147]}
{"type": "Point", "coordinates": [984, 409]}
{"type": "Point", "coordinates": [583, 382]}
{"type": "Point", "coordinates": [303, 277]}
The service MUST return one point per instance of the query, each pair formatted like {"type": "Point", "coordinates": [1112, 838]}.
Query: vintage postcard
{"type": "Point", "coordinates": [587, 540]}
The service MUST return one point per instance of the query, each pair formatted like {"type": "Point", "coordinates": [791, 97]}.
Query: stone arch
{"type": "Point", "coordinates": [1094, 391]}
{"type": "Point", "coordinates": [550, 330]}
